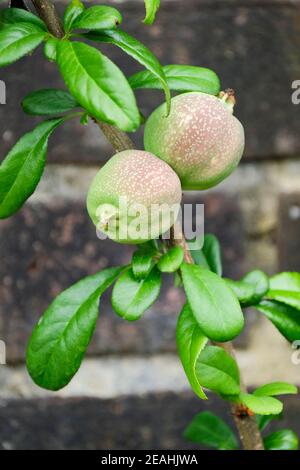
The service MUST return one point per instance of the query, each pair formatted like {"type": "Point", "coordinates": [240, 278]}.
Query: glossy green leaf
{"type": "Point", "coordinates": [195, 247]}
{"type": "Point", "coordinates": [284, 317]}
{"type": "Point", "coordinates": [48, 102]}
{"type": "Point", "coordinates": [199, 258]}
{"type": "Point", "coordinates": [259, 280]}
{"type": "Point", "coordinates": [142, 262]}
{"type": "Point", "coordinates": [190, 342]}
{"type": "Point", "coordinates": [73, 10]}
{"type": "Point", "coordinates": [181, 78]}
{"type": "Point", "coordinates": [290, 298]}
{"type": "Point", "coordinates": [151, 9]}
{"type": "Point", "coordinates": [261, 405]}
{"type": "Point", "coordinates": [60, 339]}
{"type": "Point", "coordinates": [214, 305]}
{"type": "Point", "coordinates": [107, 95]}
{"type": "Point", "coordinates": [245, 292]}
{"type": "Point", "coordinates": [23, 166]}
{"type": "Point", "coordinates": [209, 430]}
{"type": "Point", "coordinates": [172, 260]}
{"type": "Point", "coordinates": [218, 371]}
{"type": "Point", "coordinates": [136, 50]}
{"type": "Point", "coordinates": [98, 17]}
{"type": "Point", "coordinates": [177, 280]}
{"type": "Point", "coordinates": [285, 439]}
{"type": "Point", "coordinates": [10, 16]}
{"type": "Point", "coordinates": [212, 252]}
{"type": "Point", "coordinates": [251, 288]}
{"type": "Point", "coordinates": [130, 297]}
{"type": "Point", "coordinates": [50, 48]}
{"type": "Point", "coordinates": [207, 252]}
{"type": "Point", "coordinates": [275, 388]}
{"type": "Point", "coordinates": [18, 40]}
{"type": "Point", "coordinates": [285, 288]}
{"type": "Point", "coordinates": [289, 281]}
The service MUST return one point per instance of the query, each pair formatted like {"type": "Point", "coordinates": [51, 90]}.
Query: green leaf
{"type": "Point", "coordinates": [285, 439]}
{"type": "Point", "coordinates": [97, 18]}
{"type": "Point", "coordinates": [285, 288]}
{"type": "Point", "coordinates": [275, 388]}
{"type": "Point", "coordinates": [180, 78]}
{"type": "Point", "coordinates": [48, 101]}
{"type": "Point", "coordinates": [245, 292]}
{"type": "Point", "coordinates": [261, 405]}
{"type": "Point", "coordinates": [130, 298]}
{"type": "Point", "coordinates": [190, 342]}
{"type": "Point", "coordinates": [107, 95]}
{"type": "Point", "coordinates": [218, 371]}
{"type": "Point", "coordinates": [259, 280]}
{"type": "Point", "coordinates": [50, 48]}
{"type": "Point", "coordinates": [214, 306]}
{"type": "Point", "coordinates": [142, 262]}
{"type": "Point", "coordinates": [73, 10]}
{"type": "Point", "coordinates": [136, 50]}
{"type": "Point", "coordinates": [10, 16]}
{"type": "Point", "coordinates": [195, 247]}
{"type": "Point", "coordinates": [18, 40]}
{"type": "Point", "coordinates": [84, 119]}
{"type": "Point", "coordinates": [284, 317]}
{"type": "Point", "coordinates": [210, 430]}
{"type": "Point", "coordinates": [207, 253]}
{"type": "Point", "coordinates": [151, 9]}
{"type": "Point", "coordinates": [290, 298]}
{"type": "Point", "coordinates": [177, 280]}
{"type": "Point", "coordinates": [60, 339]}
{"type": "Point", "coordinates": [251, 289]}
{"type": "Point", "coordinates": [289, 281]}
{"type": "Point", "coordinates": [199, 258]}
{"type": "Point", "coordinates": [23, 166]}
{"type": "Point", "coordinates": [212, 252]}
{"type": "Point", "coordinates": [172, 260]}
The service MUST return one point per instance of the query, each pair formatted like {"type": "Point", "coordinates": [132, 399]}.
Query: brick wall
{"type": "Point", "coordinates": [132, 378]}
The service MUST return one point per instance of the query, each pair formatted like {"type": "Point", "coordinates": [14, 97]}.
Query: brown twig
{"type": "Point", "coordinates": [118, 139]}
{"type": "Point", "coordinates": [245, 421]}
{"type": "Point", "coordinates": [49, 15]}
{"type": "Point", "coordinates": [246, 424]}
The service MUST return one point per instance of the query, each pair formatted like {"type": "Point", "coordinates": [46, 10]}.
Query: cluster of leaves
{"type": "Point", "coordinates": [97, 88]}
{"type": "Point", "coordinates": [65, 330]}
{"type": "Point", "coordinates": [212, 313]}
{"type": "Point", "coordinates": [209, 430]}
{"type": "Point", "coordinates": [213, 368]}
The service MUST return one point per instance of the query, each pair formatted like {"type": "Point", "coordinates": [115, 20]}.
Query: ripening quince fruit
{"type": "Point", "coordinates": [134, 197]}
{"type": "Point", "coordinates": [200, 139]}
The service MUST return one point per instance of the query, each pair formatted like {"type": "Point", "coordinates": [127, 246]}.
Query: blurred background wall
{"type": "Point", "coordinates": [131, 392]}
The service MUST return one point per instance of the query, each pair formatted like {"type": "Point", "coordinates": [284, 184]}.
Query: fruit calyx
{"type": "Point", "coordinates": [228, 98]}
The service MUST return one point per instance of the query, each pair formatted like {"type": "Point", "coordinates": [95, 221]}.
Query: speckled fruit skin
{"type": "Point", "coordinates": [142, 178]}
{"type": "Point", "coordinates": [200, 139]}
